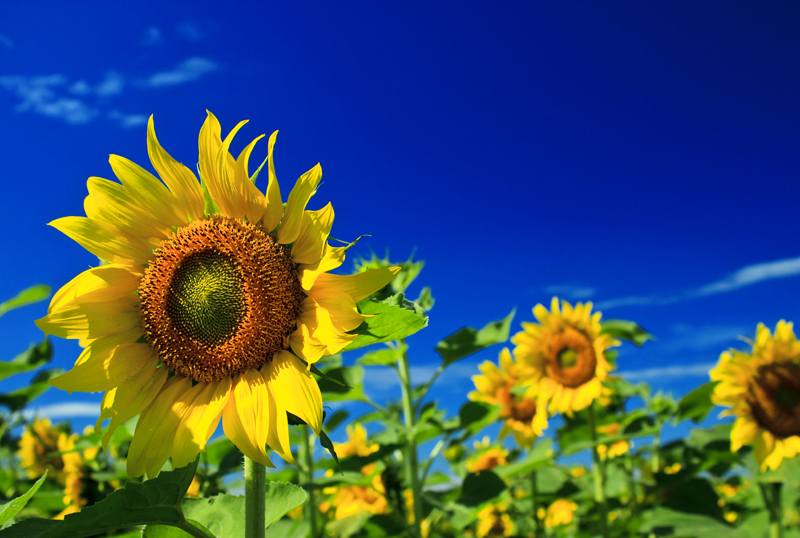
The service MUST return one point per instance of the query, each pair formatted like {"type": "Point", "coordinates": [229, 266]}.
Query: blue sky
{"type": "Point", "coordinates": [639, 155]}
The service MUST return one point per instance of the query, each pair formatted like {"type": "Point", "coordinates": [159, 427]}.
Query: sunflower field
{"type": "Point", "coordinates": [230, 345]}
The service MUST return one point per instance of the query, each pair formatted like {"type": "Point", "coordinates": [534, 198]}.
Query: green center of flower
{"type": "Point", "coordinates": [774, 398]}
{"type": "Point", "coordinates": [567, 357]}
{"type": "Point", "coordinates": [786, 397]}
{"type": "Point", "coordinates": [206, 299]}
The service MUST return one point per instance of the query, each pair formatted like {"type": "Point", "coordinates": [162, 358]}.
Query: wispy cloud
{"type": "Point", "coordinates": [6, 41]}
{"type": "Point", "coordinates": [79, 101]}
{"type": "Point", "coordinates": [191, 31]}
{"type": "Point", "coordinates": [746, 276]}
{"type": "Point", "coordinates": [667, 372]}
{"type": "Point", "coordinates": [186, 71]}
{"type": "Point", "coordinates": [571, 291]}
{"type": "Point", "coordinates": [152, 36]}
{"type": "Point", "coordinates": [64, 410]}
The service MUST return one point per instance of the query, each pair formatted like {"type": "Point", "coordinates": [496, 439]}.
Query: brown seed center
{"type": "Point", "coordinates": [220, 297]}
{"type": "Point", "coordinates": [571, 359]}
{"type": "Point", "coordinates": [774, 397]}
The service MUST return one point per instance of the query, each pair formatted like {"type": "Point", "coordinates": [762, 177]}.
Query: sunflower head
{"type": "Point", "coordinates": [494, 522]}
{"type": "Point", "coordinates": [213, 304]}
{"type": "Point", "coordinates": [560, 512]}
{"type": "Point", "coordinates": [564, 355]}
{"type": "Point", "coordinates": [487, 457]}
{"type": "Point", "coordinates": [501, 385]}
{"type": "Point", "coordinates": [762, 388]}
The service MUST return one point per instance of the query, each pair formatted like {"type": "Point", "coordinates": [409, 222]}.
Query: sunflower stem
{"type": "Point", "coordinates": [597, 471]}
{"type": "Point", "coordinates": [410, 459]}
{"type": "Point", "coordinates": [771, 493]}
{"type": "Point", "coordinates": [311, 505]}
{"type": "Point", "coordinates": [255, 491]}
{"type": "Point", "coordinates": [537, 525]}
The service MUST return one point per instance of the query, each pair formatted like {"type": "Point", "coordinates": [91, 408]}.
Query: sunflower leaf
{"type": "Point", "coordinates": [697, 404]}
{"type": "Point", "coordinates": [32, 358]}
{"type": "Point", "coordinates": [31, 295]}
{"type": "Point", "coordinates": [469, 340]}
{"type": "Point", "coordinates": [18, 399]}
{"type": "Point", "coordinates": [393, 318]}
{"type": "Point", "coordinates": [326, 443]}
{"type": "Point", "coordinates": [152, 502]}
{"type": "Point", "coordinates": [626, 330]}
{"type": "Point", "coordinates": [14, 506]}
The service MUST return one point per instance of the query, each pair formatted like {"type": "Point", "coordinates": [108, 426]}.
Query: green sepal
{"type": "Point", "coordinates": [469, 340]}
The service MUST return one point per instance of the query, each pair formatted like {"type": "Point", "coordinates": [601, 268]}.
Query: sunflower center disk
{"type": "Point", "coordinates": [571, 358]}
{"type": "Point", "coordinates": [220, 297]}
{"type": "Point", "coordinates": [775, 398]}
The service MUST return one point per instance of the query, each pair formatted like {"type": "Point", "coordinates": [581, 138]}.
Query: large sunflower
{"type": "Point", "coordinates": [207, 298]}
{"type": "Point", "coordinates": [763, 390]}
{"type": "Point", "coordinates": [565, 355]}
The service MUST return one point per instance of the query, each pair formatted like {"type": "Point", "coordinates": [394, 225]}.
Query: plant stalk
{"type": "Point", "coordinates": [255, 492]}
{"type": "Point", "coordinates": [410, 459]}
{"type": "Point", "coordinates": [598, 473]}
{"type": "Point", "coordinates": [537, 525]}
{"type": "Point", "coordinates": [311, 505]}
{"type": "Point", "coordinates": [771, 493]}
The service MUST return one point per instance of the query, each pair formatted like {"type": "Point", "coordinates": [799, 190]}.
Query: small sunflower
{"type": "Point", "coordinates": [616, 448]}
{"type": "Point", "coordinates": [762, 388]}
{"type": "Point", "coordinates": [561, 512]}
{"type": "Point", "coordinates": [565, 355]}
{"type": "Point", "coordinates": [523, 416]}
{"type": "Point", "coordinates": [494, 522]}
{"type": "Point", "coordinates": [487, 457]}
{"type": "Point", "coordinates": [204, 293]}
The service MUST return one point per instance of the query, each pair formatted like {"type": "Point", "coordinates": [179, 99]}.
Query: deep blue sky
{"type": "Point", "coordinates": [642, 155]}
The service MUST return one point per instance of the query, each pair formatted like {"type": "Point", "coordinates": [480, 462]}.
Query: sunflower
{"type": "Point", "coordinates": [494, 522]}
{"type": "Point", "coordinates": [762, 388]}
{"type": "Point", "coordinates": [523, 416]}
{"type": "Point", "coordinates": [565, 355]}
{"type": "Point", "coordinates": [487, 457]}
{"type": "Point", "coordinates": [616, 448]}
{"type": "Point", "coordinates": [561, 512]}
{"type": "Point", "coordinates": [212, 304]}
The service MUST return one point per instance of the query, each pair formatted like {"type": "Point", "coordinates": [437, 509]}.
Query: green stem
{"type": "Point", "coordinates": [188, 528]}
{"type": "Point", "coordinates": [410, 459]}
{"type": "Point", "coordinates": [771, 493]}
{"type": "Point", "coordinates": [255, 491]}
{"type": "Point", "coordinates": [597, 471]}
{"type": "Point", "coordinates": [311, 505]}
{"type": "Point", "coordinates": [537, 525]}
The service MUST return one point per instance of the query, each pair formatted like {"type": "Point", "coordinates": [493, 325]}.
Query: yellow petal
{"type": "Point", "coordinates": [105, 370]}
{"type": "Point", "coordinates": [306, 346]}
{"type": "Point", "coordinates": [294, 389]}
{"type": "Point", "coordinates": [179, 179]}
{"type": "Point", "coordinates": [110, 202]}
{"type": "Point", "coordinates": [105, 241]}
{"type": "Point", "coordinates": [225, 193]}
{"type": "Point", "coordinates": [339, 305]}
{"type": "Point", "coordinates": [310, 244]}
{"type": "Point", "coordinates": [89, 320]}
{"type": "Point", "coordinates": [209, 142]}
{"type": "Point", "coordinates": [332, 258]}
{"type": "Point", "coordinates": [278, 434]}
{"type": "Point", "coordinates": [103, 344]}
{"type": "Point", "coordinates": [303, 189]}
{"type": "Point", "coordinates": [246, 416]}
{"type": "Point", "coordinates": [143, 399]}
{"type": "Point", "coordinates": [120, 398]}
{"type": "Point", "coordinates": [254, 201]}
{"type": "Point", "coordinates": [104, 283]}
{"type": "Point", "coordinates": [321, 329]}
{"type": "Point", "coordinates": [200, 422]}
{"type": "Point", "coordinates": [149, 192]}
{"type": "Point", "coordinates": [274, 203]}
{"type": "Point", "coordinates": [360, 285]}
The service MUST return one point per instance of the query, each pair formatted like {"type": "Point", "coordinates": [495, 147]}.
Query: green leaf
{"type": "Point", "coordinates": [223, 514]}
{"type": "Point", "coordinates": [540, 456]}
{"type": "Point", "coordinates": [32, 358]}
{"type": "Point", "coordinates": [326, 443]}
{"type": "Point", "coordinates": [666, 522]}
{"type": "Point", "coordinates": [166, 531]}
{"type": "Point", "coordinates": [348, 526]}
{"type": "Point", "coordinates": [697, 404]}
{"type": "Point", "coordinates": [13, 507]}
{"type": "Point", "coordinates": [34, 294]}
{"type": "Point", "coordinates": [393, 318]}
{"type": "Point", "coordinates": [694, 496]}
{"type": "Point", "coordinates": [473, 416]}
{"type": "Point", "coordinates": [479, 488]}
{"type": "Point", "coordinates": [468, 340]}
{"type": "Point", "coordinates": [626, 330]}
{"type": "Point", "coordinates": [425, 299]}
{"type": "Point", "coordinates": [343, 383]}
{"type": "Point", "coordinates": [336, 419]}
{"type": "Point", "coordinates": [19, 398]}
{"type": "Point", "coordinates": [382, 357]}
{"type": "Point", "coordinates": [30, 528]}
{"type": "Point", "coordinates": [153, 502]}
{"type": "Point", "coordinates": [289, 528]}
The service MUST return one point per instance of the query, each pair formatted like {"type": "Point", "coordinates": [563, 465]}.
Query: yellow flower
{"type": "Point", "coordinates": [565, 355]}
{"type": "Point", "coordinates": [523, 416]}
{"type": "Point", "coordinates": [578, 472]}
{"type": "Point", "coordinates": [38, 448]}
{"type": "Point", "coordinates": [191, 320]}
{"type": "Point", "coordinates": [672, 469]}
{"type": "Point", "coordinates": [615, 449]}
{"type": "Point", "coordinates": [494, 522]}
{"type": "Point", "coordinates": [487, 458]}
{"type": "Point", "coordinates": [560, 512]}
{"type": "Point", "coordinates": [356, 444]}
{"type": "Point", "coordinates": [762, 388]}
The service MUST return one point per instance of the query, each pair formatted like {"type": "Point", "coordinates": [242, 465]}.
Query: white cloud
{"type": "Point", "coordinates": [112, 84]}
{"type": "Point", "coordinates": [152, 36]}
{"type": "Point", "coordinates": [667, 372]}
{"type": "Point", "coordinates": [572, 291]}
{"type": "Point", "coordinates": [746, 276]}
{"type": "Point", "coordinates": [40, 95]}
{"type": "Point", "coordinates": [127, 120]}
{"type": "Point", "coordinates": [186, 71]}
{"type": "Point", "coordinates": [64, 410]}
{"type": "Point", "coordinates": [191, 31]}
{"type": "Point", "coordinates": [5, 40]}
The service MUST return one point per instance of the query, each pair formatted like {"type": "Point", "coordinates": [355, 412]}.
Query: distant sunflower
{"type": "Point", "coordinates": [565, 355]}
{"type": "Point", "coordinates": [487, 457]}
{"type": "Point", "coordinates": [494, 522]}
{"type": "Point", "coordinates": [523, 416]}
{"type": "Point", "coordinates": [763, 390]}
{"type": "Point", "coordinates": [561, 512]}
{"type": "Point", "coordinates": [204, 293]}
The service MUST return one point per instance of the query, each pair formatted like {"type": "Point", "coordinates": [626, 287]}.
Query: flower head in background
{"type": "Point", "coordinates": [762, 388]}
{"type": "Point", "coordinates": [615, 448]}
{"type": "Point", "coordinates": [500, 385]}
{"type": "Point", "coordinates": [494, 522]}
{"type": "Point", "coordinates": [204, 293]}
{"type": "Point", "coordinates": [487, 457]}
{"type": "Point", "coordinates": [565, 355]}
{"type": "Point", "coordinates": [560, 512]}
